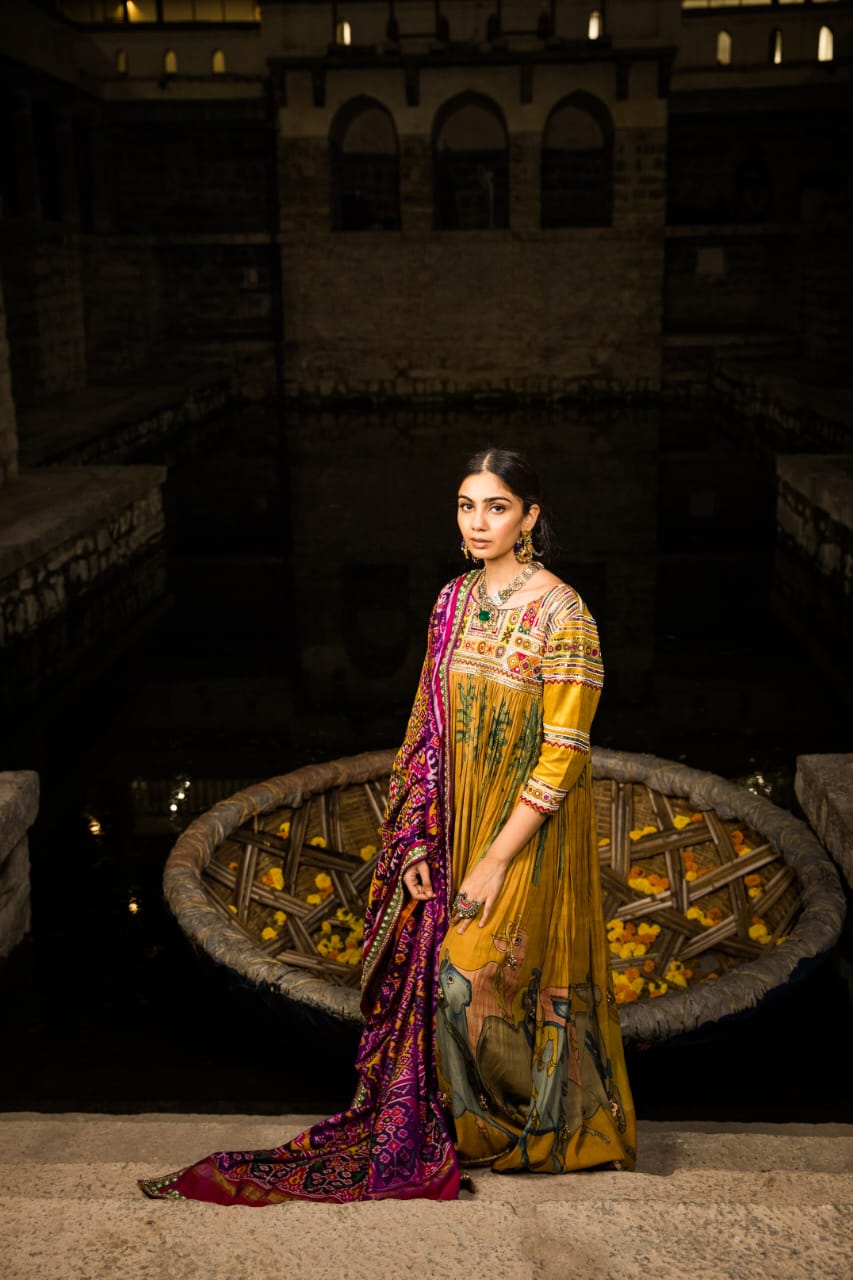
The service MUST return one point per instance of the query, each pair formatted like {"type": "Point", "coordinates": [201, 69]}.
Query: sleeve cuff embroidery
{"type": "Point", "coordinates": [542, 797]}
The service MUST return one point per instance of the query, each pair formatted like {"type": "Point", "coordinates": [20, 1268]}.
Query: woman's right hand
{"type": "Point", "coordinates": [417, 881]}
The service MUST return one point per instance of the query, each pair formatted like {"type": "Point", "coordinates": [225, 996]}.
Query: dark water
{"type": "Point", "coordinates": [301, 559]}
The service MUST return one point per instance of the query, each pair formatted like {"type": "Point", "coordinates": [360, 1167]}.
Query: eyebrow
{"type": "Point", "coordinates": [501, 497]}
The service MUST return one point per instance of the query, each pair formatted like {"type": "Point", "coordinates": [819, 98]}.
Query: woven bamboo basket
{"type": "Point", "coordinates": [713, 896]}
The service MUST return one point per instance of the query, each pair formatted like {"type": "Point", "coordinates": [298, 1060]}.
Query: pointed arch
{"type": "Point", "coordinates": [576, 172]}
{"type": "Point", "coordinates": [365, 167]}
{"type": "Point", "coordinates": [217, 62]}
{"type": "Point", "coordinates": [170, 63]}
{"type": "Point", "coordinates": [470, 154]}
{"type": "Point", "coordinates": [825, 45]}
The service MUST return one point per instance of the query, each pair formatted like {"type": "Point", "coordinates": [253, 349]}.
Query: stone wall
{"type": "Point", "coordinates": [813, 572]}
{"type": "Point", "coordinates": [516, 312]}
{"type": "Point", "coordinates": [8, 423]}
{"type": "Point", "coordinates": [63, 530]}
{"type": "Point", "coordinates": [19, 796]}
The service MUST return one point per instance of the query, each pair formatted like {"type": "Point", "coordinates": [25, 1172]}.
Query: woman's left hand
{"type": "Point", "coordinates": [482, 884]}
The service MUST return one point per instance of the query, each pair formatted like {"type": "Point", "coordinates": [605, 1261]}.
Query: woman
{"type": "Point", "coordinates": [491, 1034]}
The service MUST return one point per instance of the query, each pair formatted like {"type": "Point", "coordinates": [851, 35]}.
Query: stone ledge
{"type": "Point", "coordinates": [824, 787]}
{"type": "Point", "coordinates": [43, 509]}
{"type": "Point", "coordinates": [723, 1202]}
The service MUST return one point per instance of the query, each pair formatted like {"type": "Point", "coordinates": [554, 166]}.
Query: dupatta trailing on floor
{"type": "Point", "coordinates": [393, 1141]}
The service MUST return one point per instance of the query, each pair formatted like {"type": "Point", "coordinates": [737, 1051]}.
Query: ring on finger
{"type": "Point", "coordinates": [464, 907]}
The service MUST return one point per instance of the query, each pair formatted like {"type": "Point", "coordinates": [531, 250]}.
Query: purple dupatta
{"type": "Point", "coordinates": [393, 1141]}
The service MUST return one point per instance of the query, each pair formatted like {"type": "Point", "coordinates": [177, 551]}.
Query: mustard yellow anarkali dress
{"type": "Point", "coordinates": [529, 1052]}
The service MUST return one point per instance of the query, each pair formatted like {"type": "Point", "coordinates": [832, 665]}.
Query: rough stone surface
{"type": "Point", "coordinates": [824, 787]}
{"type": "Point", "coordinates": [709, 1201]}
{"type": "Point", "coordinates": [62, 530]}
{"type": "Point", "coordinates": [19, 796]}
{"type": "Point", "coordinates": [813, 570]}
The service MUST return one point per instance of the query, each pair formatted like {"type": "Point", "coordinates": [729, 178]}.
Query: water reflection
{"type": "Point", "coordinates": [301, 560]}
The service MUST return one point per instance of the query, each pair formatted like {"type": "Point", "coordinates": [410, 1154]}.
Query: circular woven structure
{"type": "Point", "coordinates": [713, 896]}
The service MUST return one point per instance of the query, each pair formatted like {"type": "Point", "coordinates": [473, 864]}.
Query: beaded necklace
{"type": "Point", "coordinates": [489, 605]}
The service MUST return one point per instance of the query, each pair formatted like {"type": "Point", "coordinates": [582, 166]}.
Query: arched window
{"type": "Point", "coordinates": [121, 62]}
{"type": "Point", "coordinates": [343, 32]}
{"type": "Point", "coordinates": [825, 45]}
{"type": "Point", "coordinates": [217, 62]}
{"type": "Point", "coordinates": [470, 165]}
{"type": "Point", "coordinates": [595, 26]}
{"type": "Point", "coordinates": [577, 164]}
{"type": "Point", "coordinates": [776, 47]}
{"type": "Point", "coordinates": [724, 49]}
{"type": "Point", "coordinates": [170, 62]}
{"type": "Point", "coordinates": [365, 168]}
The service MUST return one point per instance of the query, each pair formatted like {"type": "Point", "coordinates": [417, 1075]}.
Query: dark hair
{"type": "Point", "coordinates": [522, 481]}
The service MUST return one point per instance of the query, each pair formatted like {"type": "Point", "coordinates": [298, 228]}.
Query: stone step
{"type": "Point", "coordinates": [709, 1201]}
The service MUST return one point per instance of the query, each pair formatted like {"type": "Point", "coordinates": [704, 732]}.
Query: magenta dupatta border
{"type": "Point", "coordinates": [393, 1141]}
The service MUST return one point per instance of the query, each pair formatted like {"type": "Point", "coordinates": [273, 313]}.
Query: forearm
{"type": "Point", "coordinates": [520, 827]}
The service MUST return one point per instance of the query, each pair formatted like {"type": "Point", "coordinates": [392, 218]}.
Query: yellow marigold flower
{"type": "Point", "coordinates": [640, 948]}
{"type": "Point", "coordinates": [268, 934]}
{"type": "Point", "coordinates": [603, 840]}
{"type": "Point", "coordinates": [366, 852]}
{"type": "Point", "coordinates": [326, 926]}
{"type": "Point", "coordinates": [658, 989]}
{"type": "Point", "coordinates": [284, 829]}
{"type": "Point", "coordinates": [758, 933]}
{"type": "Point", "coordinates": [694, 913]}
{"type": "Point", "coordinates": [646, 930]}
{"type": "Point", "coordinates": [319, 842]}
{"type": "Point", "coordinates": [780, 940]}
{"type": "Point", "coordinates": [344, 915]}
{"type": "Point", "coordinates": [754, 893]}
{"type": "Point", "coordinates": [323, 946]}
{"type": "Point", "coordinates": [680, 821]}
{"type": "Point", "coordinates": [274, 878]}
{"type": "Point", "coordinates": [616, 927]}
{"type": "Point", "coordinates": [322, 880]}
{"type": "Point", "coordinates": [314, 899]}
{"type": "Point", "coordinates": [231, 907]}
{"type": "Point", "coordinates": [280, 917]}
{"type": "Point", "coordinates": [639, 832]}
{"type": "Point", "coordinates": [335, 941]}
{"type": "Point", "coordinates": [637, 984]}
{"type": "Point", "coordinates": [691, 875]}
{"type": "Point", "coordinates": [352, 955]}
{"type": "Point", "coordinates": [641, 884]}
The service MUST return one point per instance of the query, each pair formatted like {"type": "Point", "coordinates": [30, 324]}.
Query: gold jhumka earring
{"type": "Point", "coordinates": [524, 547]}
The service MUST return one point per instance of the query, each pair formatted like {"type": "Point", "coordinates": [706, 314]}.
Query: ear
{"type": "Point", "coordinates": [532, 516]}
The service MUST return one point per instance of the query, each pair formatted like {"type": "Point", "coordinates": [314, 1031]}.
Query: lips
{"type": "Point", "coordinates": [479, 542]}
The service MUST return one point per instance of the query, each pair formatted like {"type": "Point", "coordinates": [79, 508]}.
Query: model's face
{"type": "Point", "coordinates": [490, 517]}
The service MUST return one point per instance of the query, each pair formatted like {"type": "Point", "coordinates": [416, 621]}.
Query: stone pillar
{"type": "Point", "coordinates": [19, 796]}
{"type": "Point", "coordinates": [524, 181]}
{"type": "Point", "coordinates": [416, 184]}
{"type": "Point", "coordinates": [8, 422]}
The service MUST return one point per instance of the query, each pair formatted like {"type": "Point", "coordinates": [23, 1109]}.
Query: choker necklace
{"type": "Point", "coordinates": [489, 605]}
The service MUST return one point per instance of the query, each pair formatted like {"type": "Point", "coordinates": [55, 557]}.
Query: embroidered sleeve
{"type": "Point", "coordinates": [573, 677]}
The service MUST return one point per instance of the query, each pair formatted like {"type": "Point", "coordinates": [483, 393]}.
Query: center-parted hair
{"type": "Point", "coordinates": [520, 478]}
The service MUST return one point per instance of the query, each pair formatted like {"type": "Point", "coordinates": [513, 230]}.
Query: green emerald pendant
{"type": "Point", "coordinates": [484, 615]}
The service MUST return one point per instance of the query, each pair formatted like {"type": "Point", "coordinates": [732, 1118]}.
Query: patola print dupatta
{"type": "Point", "coordinates": [393, 1141]}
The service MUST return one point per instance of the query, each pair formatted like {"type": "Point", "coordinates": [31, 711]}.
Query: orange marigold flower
{"type": "Point", "coordinates": [632, 973]}
{"type": "Point", "coordinates": [752, 879]}
{"type": "Point", "coordinates": [648, 966]}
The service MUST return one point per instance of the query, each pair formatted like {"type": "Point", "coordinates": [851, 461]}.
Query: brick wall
{"type": "Point", "coordinates": [40, 266]}
{"type": "Point", "coordinates": [8, 424]}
